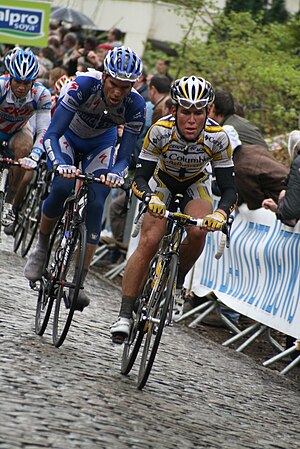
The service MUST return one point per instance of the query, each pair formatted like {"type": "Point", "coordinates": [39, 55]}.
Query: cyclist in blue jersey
{"type": "Point", "coordinates": [22, 98]}
{"type": "Point", "coordinates": [85, 123]}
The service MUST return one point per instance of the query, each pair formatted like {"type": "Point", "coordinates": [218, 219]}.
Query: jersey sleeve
{"type": "Point", "coordinates": [77, 93]}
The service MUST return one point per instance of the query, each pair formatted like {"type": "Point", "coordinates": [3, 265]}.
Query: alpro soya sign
{"type": "Point", "coordinates": [24, 23]}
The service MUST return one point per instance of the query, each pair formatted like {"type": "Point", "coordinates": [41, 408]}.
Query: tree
{"type": "Point", "coordinates": [257, 62]}
{"type": "Point", "coordinates": [262, 10]}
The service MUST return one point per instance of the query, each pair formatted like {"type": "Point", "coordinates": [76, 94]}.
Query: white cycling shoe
{"type": "Point", "coordinates": [120, 330]}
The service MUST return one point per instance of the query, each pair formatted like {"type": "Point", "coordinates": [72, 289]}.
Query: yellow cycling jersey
{"type": "Point", "coordinates": [184, 160]}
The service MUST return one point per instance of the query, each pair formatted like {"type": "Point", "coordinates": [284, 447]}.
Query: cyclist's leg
{"type": "Point", "coordinates": [136, 270]}
{"type": "Point", "coordinates": [104, 146]}
{"type": "Point", "coordinates": [135, 273]}
{"type": "Point", "coordinates": [197, 202]}
{"type": "Point", "coordinates": [51, 211]}
{"type": "Point", "coordinates": [20, 144]}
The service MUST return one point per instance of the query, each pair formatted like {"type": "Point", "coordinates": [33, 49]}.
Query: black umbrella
{"type": "Point", "coordinates": [68, 14]}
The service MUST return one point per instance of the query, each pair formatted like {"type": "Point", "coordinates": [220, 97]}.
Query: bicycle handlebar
{"type": "Point", "coordinates": [10, 162]}
{"type": "Point", "coordinates": [187, 219]}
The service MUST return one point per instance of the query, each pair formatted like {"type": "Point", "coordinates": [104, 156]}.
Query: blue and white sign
{"type": "Point", "coordinates": [24, 23]}
{"type": "Point", "coordinates": [259, 275]}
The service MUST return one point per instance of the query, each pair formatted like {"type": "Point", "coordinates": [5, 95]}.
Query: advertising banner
{"type": "Point", "coordinates": [24, 23]}
{"type": "Point", "coordinates": [259, 275]}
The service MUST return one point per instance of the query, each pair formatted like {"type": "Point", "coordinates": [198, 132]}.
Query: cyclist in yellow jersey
{"type": "Point", "coordinates": [174, 158]}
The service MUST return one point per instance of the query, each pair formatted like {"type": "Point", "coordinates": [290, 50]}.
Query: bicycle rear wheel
{"type": "Point", "coordinates": [73, 257]}
{"type": "Point", "coordinates": [160, 306]}
{"type": "Point", "coordinates": [19, 227]}
{"type": "Point", "coordinates": [31, 223]}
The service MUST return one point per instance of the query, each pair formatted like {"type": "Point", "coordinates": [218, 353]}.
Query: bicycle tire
{"type": "Point", "coordinates": [164, 294]}
{"type": "Point", "coordinates": [1, 210]}
{"type": "Point", "coordinates": [133, 343]}
{"type": "Point", "coordinates": [19, 228]}
{"type": "Point", "coordinates": [64, 309]}
{"type": "Point", "coordinates": [31, 225]}
{"type": "Point", "coordinates": [46, 289]}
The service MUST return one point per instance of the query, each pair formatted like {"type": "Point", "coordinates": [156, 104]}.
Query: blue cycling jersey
{"type": "Point", "coordinates": [82, 111]}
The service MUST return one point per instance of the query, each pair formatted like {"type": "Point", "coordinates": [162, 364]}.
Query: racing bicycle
{"type": "Point", "coordinates": [65, 254]}
{"type": "Point", "coordinates": [29, 214]}
{"type": "Point", "coordinates": [153, 311]}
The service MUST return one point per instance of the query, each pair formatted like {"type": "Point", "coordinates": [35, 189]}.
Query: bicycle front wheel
{"type": "Point", "coordinates": [69, 283]}
{"type": "Point", "coordinates": [133, 343]}
{"type": "Point", "coordinates": [47, 285]}
{"type": "Point", "coordinates": [159, 309]}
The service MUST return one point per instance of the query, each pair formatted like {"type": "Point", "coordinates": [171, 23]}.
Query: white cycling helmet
{"type": "Point", "coordinates": [192, 91]}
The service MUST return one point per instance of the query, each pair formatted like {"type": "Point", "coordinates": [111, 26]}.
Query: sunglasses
{"type": "Point", "coordinates": [187, 104]}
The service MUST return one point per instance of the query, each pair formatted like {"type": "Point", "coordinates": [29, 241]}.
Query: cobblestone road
{"type": "Point", "coordinates": [200, 395]}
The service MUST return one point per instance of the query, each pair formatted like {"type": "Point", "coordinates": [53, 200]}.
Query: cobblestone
{"type": "Point", "coordinates": [199, 395]}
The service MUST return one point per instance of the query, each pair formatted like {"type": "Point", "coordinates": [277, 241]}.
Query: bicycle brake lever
{"type": "Point", "coordinates": [229, 222]}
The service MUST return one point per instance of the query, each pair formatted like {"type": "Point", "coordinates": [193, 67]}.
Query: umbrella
{"type": "Point", "coordinates": [68, 14]}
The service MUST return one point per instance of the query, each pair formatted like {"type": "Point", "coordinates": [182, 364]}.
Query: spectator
{"type": "Point", "coordinates": [54, 75]}
{"type": "Point", "coordinates": [162, 68]}
{"type": "Point", "coordinates": [55, 43]}
{"type": "Point", "coordinates": [159, 88]}
{"type": "Point", "coordinates": [224, 112]}
{"type": "Point", "coordinates": [97, 57]}
{"type": "Point", "coordinates": [167, 106]}
{"type": "Point", "coordinates": [258, 174]}
{"type": "Point", "coordinates": [70, 57]}
{"type": "Point", "coordinates": [141, 86]}
{"type": "Point", "coordinates": [115, 37]}
{"type": "Point", "coordinates": [287, 208]}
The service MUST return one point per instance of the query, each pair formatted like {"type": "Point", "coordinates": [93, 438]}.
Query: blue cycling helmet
{"type": "Point", "coordinates": [24, 66]}
{"type": "Point", "coordinates": [123, 64]}
{"type": "Point", "coordinates": [8, 57]}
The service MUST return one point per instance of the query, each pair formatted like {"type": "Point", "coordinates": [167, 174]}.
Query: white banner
{"type": "Point", "coordinates": [259, 274]}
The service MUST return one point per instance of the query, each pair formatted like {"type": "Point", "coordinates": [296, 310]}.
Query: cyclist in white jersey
{"type": "Point", "coordinates": [21, 97]}
{"type": "Point", "coordinates": [176, 151]}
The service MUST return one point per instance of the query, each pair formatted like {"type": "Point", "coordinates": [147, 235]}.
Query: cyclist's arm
{"type": "Point", "coordinates": [134, 122]}
{"type": "Point", "coordinates": [58, 126]}
{"type": "Point", "coordinates": [42, 122]}
{"type": "Point", "coordinates": [128, 143]}
{"type": "Point", "coordinates": [143, 173]}
{"type": "Point", "coordinates": [225, 181]}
